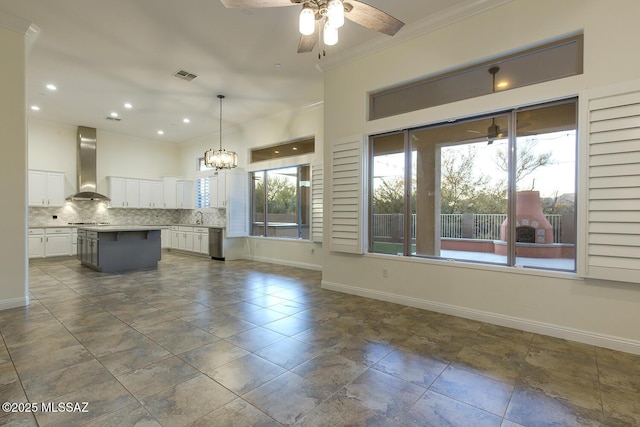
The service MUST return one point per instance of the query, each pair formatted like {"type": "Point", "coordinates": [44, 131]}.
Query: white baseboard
{"type": "Point", "coordinates": [13, 303]}
{"type": "Point", "coordinates": [304, 265]}
{"type": "Point", "coordinates": [587, 337]}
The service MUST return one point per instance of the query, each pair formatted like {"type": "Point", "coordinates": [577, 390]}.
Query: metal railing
{"type": "Point", "coordinates": [483, 226]}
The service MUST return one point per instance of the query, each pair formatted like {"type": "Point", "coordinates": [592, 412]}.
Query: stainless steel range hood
{"type": "Point", "coordinates": [86, 164]}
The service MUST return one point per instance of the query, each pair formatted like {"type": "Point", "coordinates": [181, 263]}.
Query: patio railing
{"type": "Point", "coordinates": [455, 226]}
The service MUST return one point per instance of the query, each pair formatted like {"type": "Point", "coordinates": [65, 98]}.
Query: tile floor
{"type": "Point", "coordinates": [205, 343]}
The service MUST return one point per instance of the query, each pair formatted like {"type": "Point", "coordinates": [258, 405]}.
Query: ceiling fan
{"type": "Point", "coordinates": [327, 16]}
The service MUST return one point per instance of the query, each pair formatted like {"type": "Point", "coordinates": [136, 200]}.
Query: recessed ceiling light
{"type": "Point", "coordinates": [35, 108]}
{"type": "Point", "coordinates": [114, 114]}
{"type": "Point", "coordinates": [295, 148]}
{"type": "Point", "coordinates": [277, 152]}
{"type": "Point", "coordinates": [278, 65]}
{"type": "Point", "coordinates": [160, 132]}
{"type": "Point", "coordinates": [502, 84]}
{"type": "Point", "coordinates": [128, 106]}
{"type": "Point", "coordinates": [51, 86]}
{"type": "Point", "coordinates": [186, 120]}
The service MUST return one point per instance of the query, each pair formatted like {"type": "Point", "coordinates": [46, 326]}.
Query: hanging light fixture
{"type": "Point", "coordinates": [307, 21]}
{"type": "Point", "coordinates": [335, 13]}
{"type": "Point", "coordinates": [330, 34]}
{"type": "Point", "coordinates": [221, 158]}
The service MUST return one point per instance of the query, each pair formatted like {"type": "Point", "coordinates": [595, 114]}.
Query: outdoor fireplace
{"type": "Point", "coordinates": [531, 224]}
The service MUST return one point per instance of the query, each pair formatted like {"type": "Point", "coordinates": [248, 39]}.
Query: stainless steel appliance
{"type": "Point", "coordinates": [215, 243]}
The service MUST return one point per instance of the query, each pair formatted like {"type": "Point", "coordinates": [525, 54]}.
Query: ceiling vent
{"type": "Point", "coordinates": [184, 75]}
{"type": "Point", "coordinates": [113, 119]}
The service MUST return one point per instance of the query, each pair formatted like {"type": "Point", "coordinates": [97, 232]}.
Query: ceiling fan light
{"type": "Point", "coordinates": [335, 13]}
{"type": "Point", "coordinates": [307, 21]}
{"type": "Point", "coordinates": [330, 34]}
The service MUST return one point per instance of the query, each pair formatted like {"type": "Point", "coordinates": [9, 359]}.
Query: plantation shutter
{"type": "Point", "coordinates": [317, 186]}
{"type": "Point", "coordinates": [203, 193]}
{"type": "Point", "coordinates": [613, 199]}
{"type": "Point", "coordinates": [346, 196]}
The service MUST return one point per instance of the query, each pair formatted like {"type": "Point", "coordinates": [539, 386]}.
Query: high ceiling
{"type": "Point", "coordinates": [103, 54]}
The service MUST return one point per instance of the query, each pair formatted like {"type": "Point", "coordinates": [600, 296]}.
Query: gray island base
{"type": "Point", "coordinates": [112, 249]}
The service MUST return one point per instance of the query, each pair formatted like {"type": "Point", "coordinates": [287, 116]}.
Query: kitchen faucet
{"type": "Point", "coordinates": [199, 221]}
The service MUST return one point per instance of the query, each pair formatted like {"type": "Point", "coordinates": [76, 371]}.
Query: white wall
{"type": "Point", "coordinates": [268, 131]}
{"type": "Point", "coordinates": [13, 172]}
{"type": "Point", "coordinates": [598, 312]}
{"type": "Point", "coordinates": [52, 147]}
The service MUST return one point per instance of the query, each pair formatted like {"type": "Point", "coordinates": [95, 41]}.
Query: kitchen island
{"type": "Point", "coordinates": [113, 249]}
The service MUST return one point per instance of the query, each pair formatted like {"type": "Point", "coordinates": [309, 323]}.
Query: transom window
{"type": "Point", "coordinates": [494, 189]}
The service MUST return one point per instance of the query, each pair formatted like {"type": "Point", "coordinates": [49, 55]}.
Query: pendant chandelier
{"type": "Point", "coordinates": [221, 158]}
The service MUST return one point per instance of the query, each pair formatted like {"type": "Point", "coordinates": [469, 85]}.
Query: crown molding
{"type": "Point", "coordinates": [21, 26]}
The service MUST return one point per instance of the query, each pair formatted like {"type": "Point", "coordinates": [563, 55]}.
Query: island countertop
{"type": "Point", "coordinates": [119, 228]}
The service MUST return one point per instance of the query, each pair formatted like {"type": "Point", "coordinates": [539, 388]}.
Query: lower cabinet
{"type": "Point", "coordinates": [50, 242]}
{"type": "Point", "coordinates": [190, 239]}
{"type": "Point", "coordinates": [201, 240]}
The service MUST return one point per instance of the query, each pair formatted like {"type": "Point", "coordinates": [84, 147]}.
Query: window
{"type": "Point", "coordinates": [561, 58]}
{"type": "Point", "coordinates": [285, 149]}
{"type": "Point", "coordinates": [203, 184]}
{"type": "Point", "coordinates": [496, 189]}
{"type": "Point", "coordinates": [281, 202]}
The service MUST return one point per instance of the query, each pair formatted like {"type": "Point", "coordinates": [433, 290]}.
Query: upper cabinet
{"type": "Point", "coordinates": [124, 192]}
{"type": "Point", "coordinates": [46, 188]}
{"type": "Point", "coordinates": [151, 194]}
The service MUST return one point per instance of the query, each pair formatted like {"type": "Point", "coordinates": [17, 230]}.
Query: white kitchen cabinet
{"type": "Point", "coordinates": [165, 238]}
{"type": "Point", "coordinates": [151, 194]}
{"type": "Point", "coordinates": [170, 193]}
{"type": "Point", "coordinates": [218, 190]}
{"type": "Point", "coordinates": [57, 242]}
{"type": "Point", "coordinates": [133, 192]}
{"type": "Point", "coordinates": [157, 194]}
{"type": "Point", "coordinates": [184, 194]}
{"type": "Point", "coordinates": [50, 242]}
{"type": "Point", "coordinates": [46, 188]}
{"type": "Point", "coordinates": [201, 240]}
{"type": "Point", "coordinates": [36, 243]}
{"type": "Point", "coordinates": [186, 239]}
{"type": "Point", "coordinates": [175, 237]}
{"type": "Point", "coordinates": [124, 192]}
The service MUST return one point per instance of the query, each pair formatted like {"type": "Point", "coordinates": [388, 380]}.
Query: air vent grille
{"type": "Point", "coordinates": [184, 75]}
{"type": "Point", "coordinates": [113, 119]}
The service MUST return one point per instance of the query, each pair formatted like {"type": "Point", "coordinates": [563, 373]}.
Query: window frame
{"type": "Point", "coordinates": [513, 135]}
{"type": "Point", "coordinates": [298, 197]}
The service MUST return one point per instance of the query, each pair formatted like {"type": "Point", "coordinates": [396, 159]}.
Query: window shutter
{"type": "Point", "coordinates": [237, 191]}
{"type": "Point", "coordinates": [346, 196]}
{"type": "Point", "coordinates": [613, 198]}
{"type": "Point", "coordinates": [203, 188]}
{"type": "Point", "coordinates": [317, 186]}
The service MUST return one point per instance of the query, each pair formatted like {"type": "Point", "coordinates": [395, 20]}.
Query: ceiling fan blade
{"type": "Point", "coordinates": [307, 43]}
{"type": "Point", "coordinates": [371, 17]}
{"type": "Point", "coordinates": [249, 4]}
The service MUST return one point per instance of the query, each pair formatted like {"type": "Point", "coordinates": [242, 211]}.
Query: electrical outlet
{"type": "Point", "coordinates": [385, 273]}
{"type": "Point", "coordinates": [313, 251]}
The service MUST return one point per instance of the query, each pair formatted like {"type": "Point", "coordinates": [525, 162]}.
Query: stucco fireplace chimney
{"type": "Point", "coordinates": [531, 224]}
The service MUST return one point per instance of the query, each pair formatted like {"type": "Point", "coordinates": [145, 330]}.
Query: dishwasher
{"type": "Point", "coordinates": [215, 243]}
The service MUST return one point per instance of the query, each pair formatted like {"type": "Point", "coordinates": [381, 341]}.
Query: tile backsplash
{"type": "Point", "coordinates": [93, 211]}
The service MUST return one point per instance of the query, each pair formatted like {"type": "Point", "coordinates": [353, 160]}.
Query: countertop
{"type": "Point", "coordinates": [118, 228]}
{"type": "Point", "coordinates": [104, 227]}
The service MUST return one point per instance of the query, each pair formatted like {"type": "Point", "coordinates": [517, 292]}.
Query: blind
{"type": "Point", "coordinates": [613, 199]}
{"type": "Point", "coordinates": [317, 185]}
{"type": "Point", "coordinates": [346, 196]}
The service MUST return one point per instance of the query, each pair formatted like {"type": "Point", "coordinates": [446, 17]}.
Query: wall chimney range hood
{"type": "Point", "coordinates": [86, 164]}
